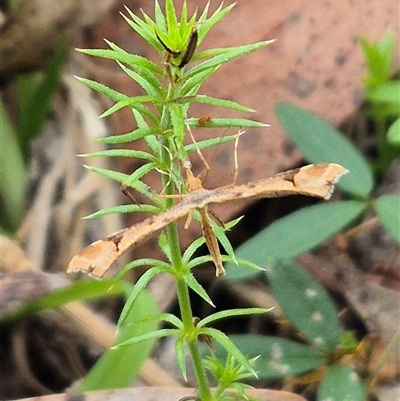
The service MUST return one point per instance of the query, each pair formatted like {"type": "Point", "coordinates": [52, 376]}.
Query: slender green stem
{"type": "Point", "coordinates": [182, 287]}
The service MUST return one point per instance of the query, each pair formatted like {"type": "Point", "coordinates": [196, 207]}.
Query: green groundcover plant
{"type": "Point", "coordinates": [304, 302]}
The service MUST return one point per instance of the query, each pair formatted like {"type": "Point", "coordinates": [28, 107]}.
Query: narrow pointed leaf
{"type": "Point", "coordinates": [133, 136]}
{"type": "Point", "coordinates": [231, 313]}
{"type": "Point", "coordinates": [197, 288]}
{"type": "Point", "coordinates": [181, 356]}
{"type": "Point", "coordinates": [154, 335]}
{"type": "Point", "coordinates": [203, 99]}
{"type": "Point", "coordinates": [121, 209]}
{"type": "Point", "coordinates": [226, 123]}
{"type": "Point", "coordinates": [137, 289]}
{"type": "Point", "coordinates": [277, 357]}
{"type": "Point", "coordinates": [226, 57]}
{"type": "Point", "coordinates": [229, 346]}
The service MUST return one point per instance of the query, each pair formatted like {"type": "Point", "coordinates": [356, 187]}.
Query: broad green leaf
{"type": "Point", "coordinates": [77, 291]}
{"type": "Point", "coordinates": [305, 303]}
{"type": "Point", "coordinates": [388, 210]}
{"type": "Point", "coordinates": [386, 93]}
{"type": "Point", "coordinates": [341, 383]}
{"type": "Point", "coordinates": [36, 111]}
{"type": "Point", "coordinates": [320, 143]}
{"type": "Point", "coordinates": [393, 135]}
{"type": "Point", "coordinates": [111, 370]}
{"type": "Point", "coordinates": [278, 357]}
{"type": "Point", "coordinates": [13, 175]}
{"type": "Point", "coordinates": [294, 234]}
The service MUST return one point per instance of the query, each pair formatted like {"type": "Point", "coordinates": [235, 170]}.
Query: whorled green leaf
{"type": "Point", "coordinates": [145, 28]}
{"type": "Point", "coordinates": [121, 55]}
{"type": "Point", "coordinates": [132, 181]}
{"type": "Point", "coordinates": [137, 289]}
{"type": "Point", "coordinates": [164, 317]}
{"type": "Point", "coordinates": [341, 383]}
{"type": "Point", "coordinates": [177, 121]}
{"type": "Point", "coordinates": [225, 123]}
{"type": "Point", "coordinates": [294, 234]}
{"type": "Point", "coordinates": [277, 357]}
{"type": "Point", "coordinates": [191, 85]}
{"type": "Point", "coordinates": [133, 154]}
{"type": "Point", "coordinates": [197, 288]}
{"type": "Point", "coordinates": [209, 143]}
{"type": "Point", "coordinates": [205, 24]}
{"type": "Point", "coordinates": [305, 303]}
{"type": "Point", "coordinates": [181, 356]}
{"type": "Point", "coordinates": [229, 346]}
{"type": "Point", "coordinates": [213, 101]}
{"type": "Point", "coordinates": [187, 257]}
{"type": "Point", "coordinates": [320, 143]}
{"type": "Point", "coordinates": [136, 102]}
{"type": "Point", "coordinates": [130, 136]}
{"type": "Point", "coordinates": [225, 57]}
{"type": "Point", "coordinates": [231, 313]}
{"type": "Point", "coordinates": [148, 81]}
{"type": "Point", "coordinates": [111, 369]}
{"type": "Point", "coordinates": [388, 210]}
{"type": "Point", "coordinates": [153, 335]}
{"type": "Point", "coordinates": [143, 262]}
{"type": "Point", "coordinates": [122, 209]}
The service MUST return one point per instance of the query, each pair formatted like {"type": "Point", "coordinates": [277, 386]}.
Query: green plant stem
{"type": "Point", "coordinates": [182, 288]}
